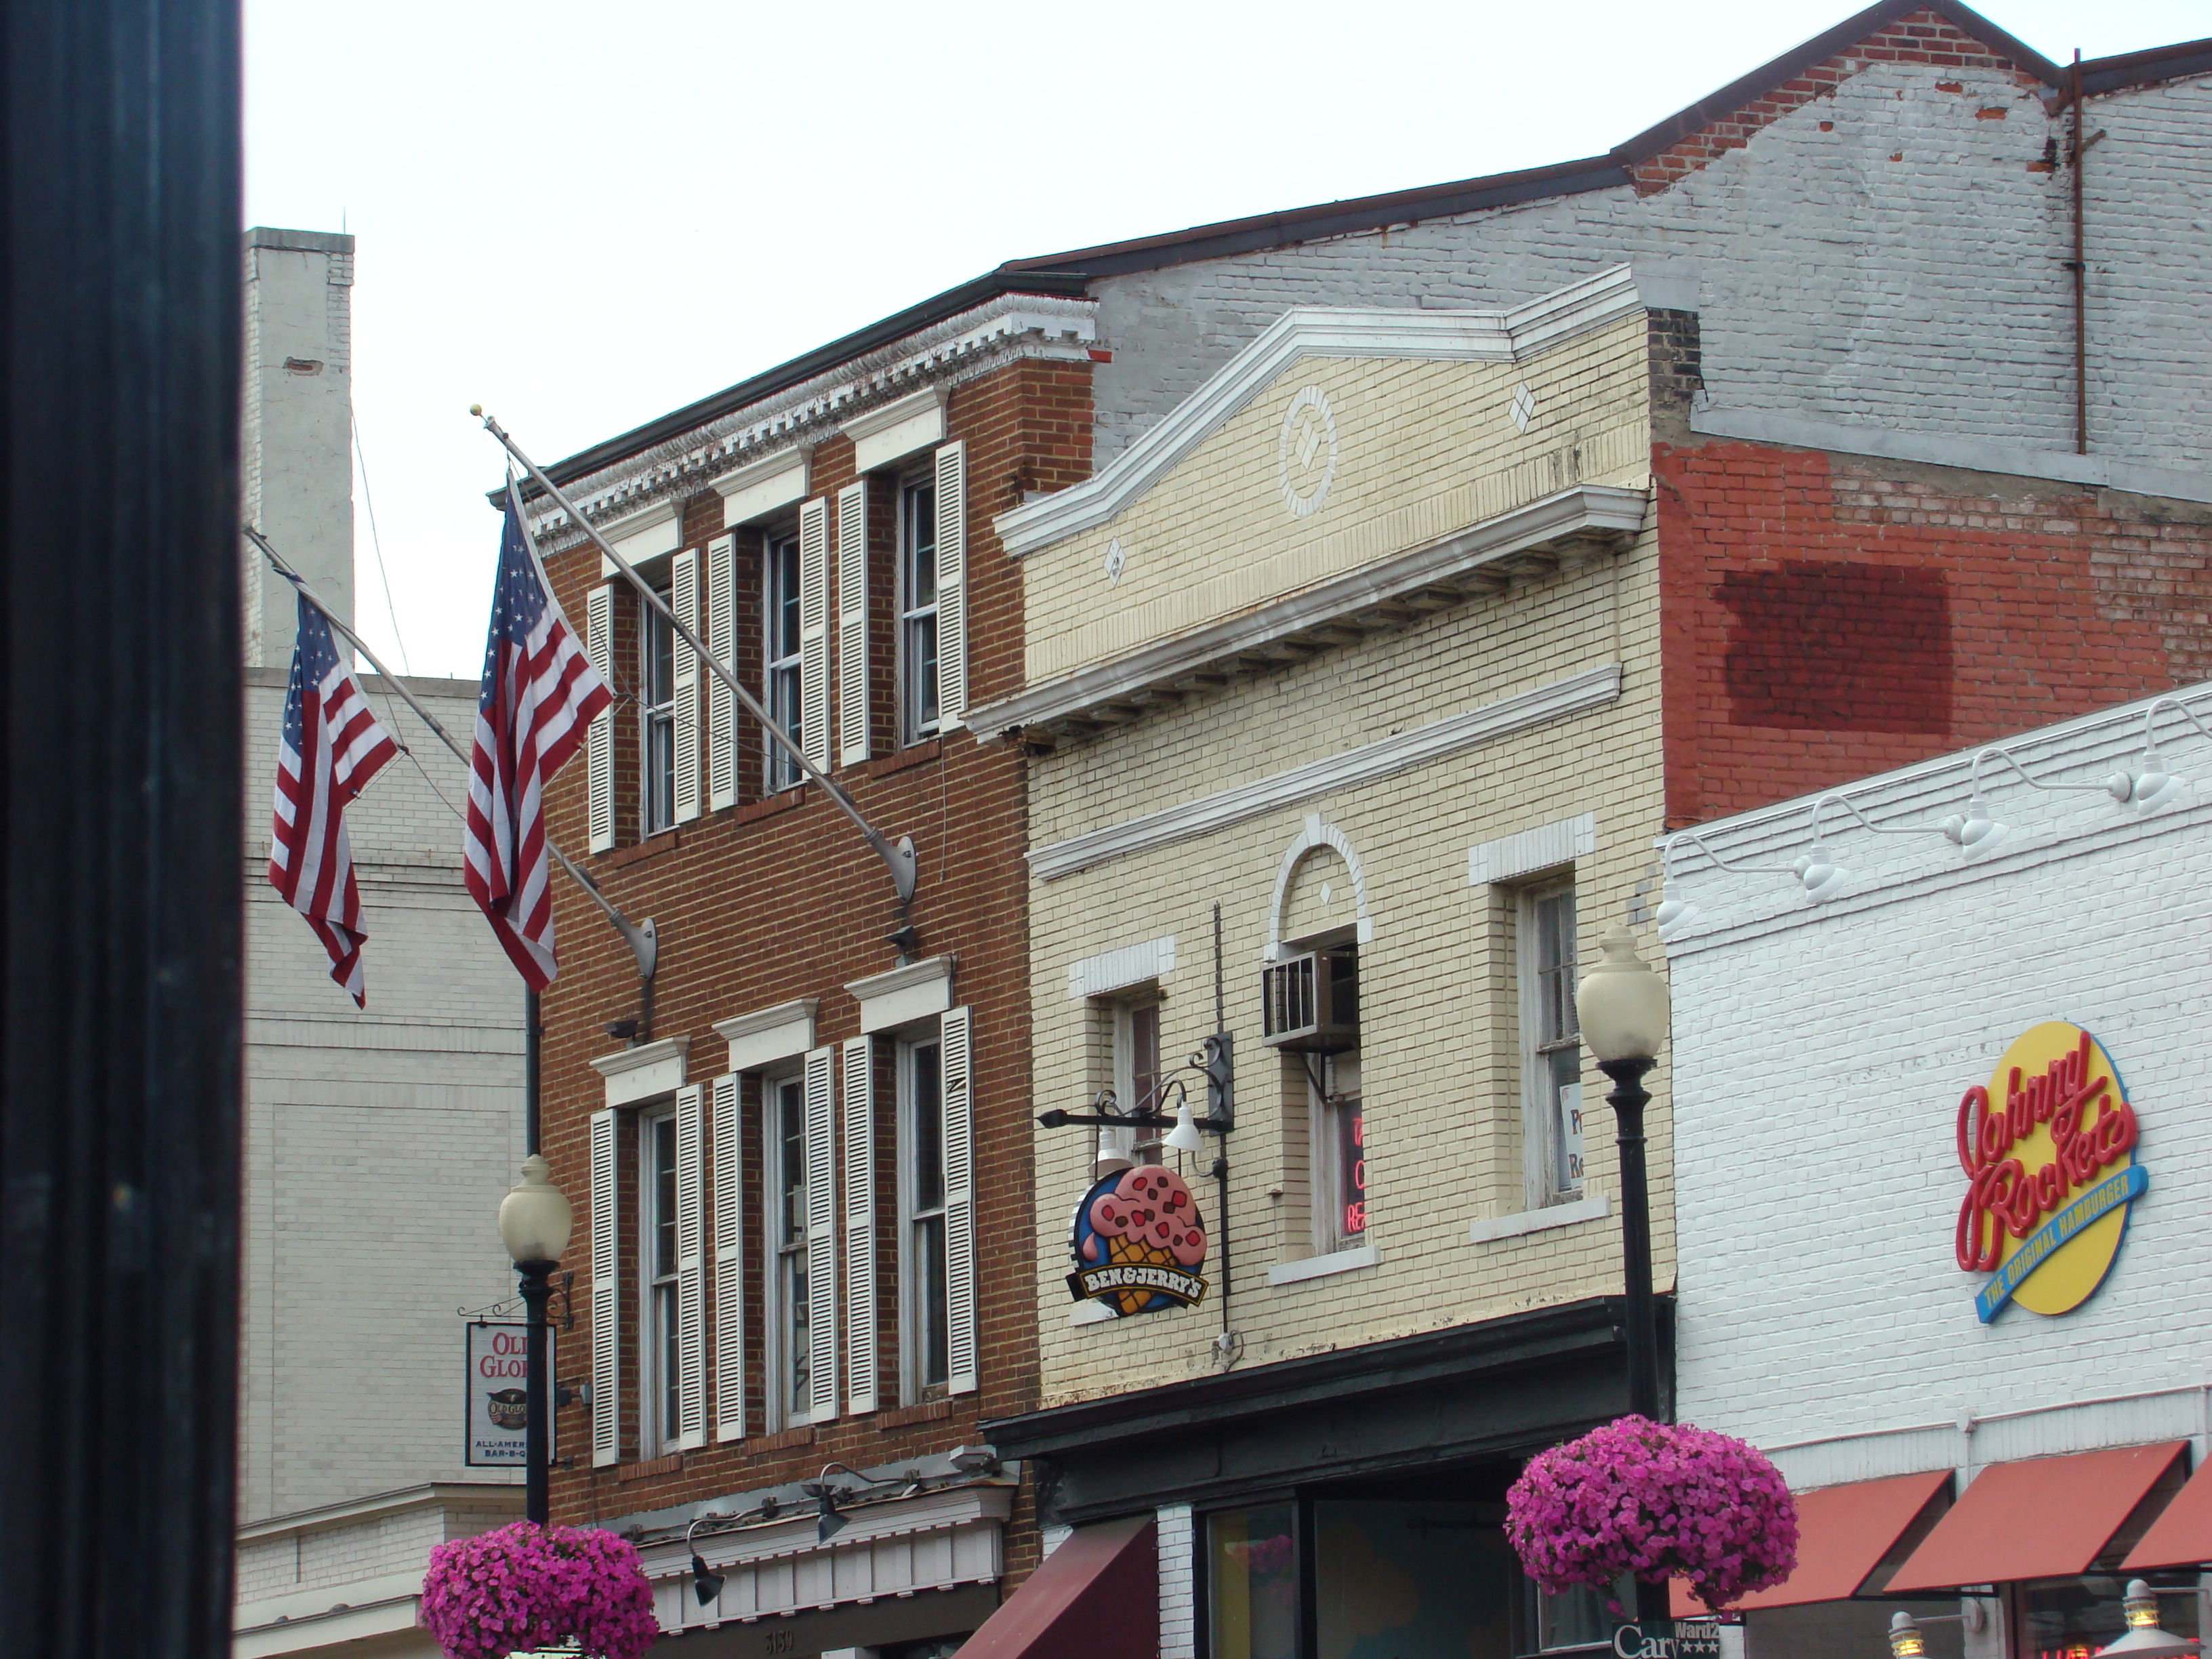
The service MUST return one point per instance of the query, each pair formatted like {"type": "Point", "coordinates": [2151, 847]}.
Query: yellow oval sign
{"type": "Point", "coordinates": [2048, 1148]}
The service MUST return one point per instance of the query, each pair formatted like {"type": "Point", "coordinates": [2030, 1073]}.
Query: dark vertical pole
{"type": "Point", "coordinates": [2081, 282]}
{"type": "Point", "coordinates": [537, 1381]}
{"type": "Point", "coordinates": [536, 1437]}
{"type": "Point", "coordinates": [1628, 1100]}
{"type": "Point", "coordinates": [532, 1032]}
{"type": "Point", "coordinates": [120, 904]}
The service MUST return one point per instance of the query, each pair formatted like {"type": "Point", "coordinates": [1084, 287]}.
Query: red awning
{"type": "Point", "coordinates": [2043, 1517]}
{"type": "Point", "coordinates": [1842, 1533]}
{"type": "Point", "coordinates": [1097, 1596]}
{"type": "Point", "coordinates": [2182, 1534]}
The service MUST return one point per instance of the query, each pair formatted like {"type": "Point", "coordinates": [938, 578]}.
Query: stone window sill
{"type": "Point", "coordinates": [1320, 1266]}
{"type": "Point", "coordinates": [1594, 1208]}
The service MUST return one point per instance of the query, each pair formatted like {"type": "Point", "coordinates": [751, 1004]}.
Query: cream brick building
{"type": "Point", "coordinates": [1360, 645]}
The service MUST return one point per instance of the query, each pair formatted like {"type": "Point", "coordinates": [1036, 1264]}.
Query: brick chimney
{"type": "Point", "coordinates": [297, 449]}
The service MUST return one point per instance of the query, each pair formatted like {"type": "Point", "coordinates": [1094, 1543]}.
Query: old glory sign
{"type": "Point", "coordinates": [2048, 1148]}
{"type": "Point", "coordinates": [1139, 1243]}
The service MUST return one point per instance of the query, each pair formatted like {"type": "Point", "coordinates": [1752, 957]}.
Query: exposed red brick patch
{"type": "Point", "coordinates": [1922, 38]}
{"type": "Point", "coordinates": [1824, 616]}
{"type": "Point", "coordinates": [1993, 112]}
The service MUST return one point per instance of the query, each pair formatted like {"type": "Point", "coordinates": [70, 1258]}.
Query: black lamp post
{"type": "Point", "coordinates": [1622, 1006]}
{"type": "Point", "coordinates": [534, 1219]}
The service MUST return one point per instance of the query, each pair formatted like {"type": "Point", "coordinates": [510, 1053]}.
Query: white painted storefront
{"type": "Point", "coordinates": [1820, 1052]}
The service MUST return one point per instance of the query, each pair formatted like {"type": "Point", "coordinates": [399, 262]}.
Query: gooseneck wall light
{"type": "Point", "coordinates": [2148, 787]}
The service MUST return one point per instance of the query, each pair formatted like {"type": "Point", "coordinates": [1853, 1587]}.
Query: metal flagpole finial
{"type": "Point", "coordinates": [476, 408]}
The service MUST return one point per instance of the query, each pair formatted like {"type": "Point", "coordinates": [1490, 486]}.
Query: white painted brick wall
{"type": "Point", "coordinates": [378, 1143]}
{"type": "Point", "coordinates": [1818, 1056]}
{"type": "Point", "coordinates": [1178, 1559]}
{"type": "Point", "coordinates": [1926, 293]}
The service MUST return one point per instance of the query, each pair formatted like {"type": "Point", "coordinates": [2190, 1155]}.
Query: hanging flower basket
{"type": "Point", "coordinates": [525, 1586]}
{"type": "Point", "coordinates": [1659, 1501]}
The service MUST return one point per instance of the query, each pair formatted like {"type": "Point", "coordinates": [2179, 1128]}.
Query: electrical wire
{"type": "Point", "coordinates": [376, 544]}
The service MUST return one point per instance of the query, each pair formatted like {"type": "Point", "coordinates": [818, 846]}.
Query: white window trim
{"type": "Point", "coordinates": [1321, 1163]}
{"type": "Point", "coordinates": [780, 1413]}
{"type": "Point", "coordinates": [1117, 970]}
{"type": "Point", "coordinates": [911, 731]}
{"type": "Point", "coordinates": [656, 1439]}
{"type": "Point", "coordinates": [649, 622]}
{"type": "Point", "coordinates": [1540, 1189]}
{"type": "Point", "coordinates": [912, 1389]}
{"type": "Point", "coordinates": [774, 758]}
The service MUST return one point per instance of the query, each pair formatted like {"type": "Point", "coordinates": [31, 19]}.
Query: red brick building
{"type": "Point", "coordinates": [804, 1145]}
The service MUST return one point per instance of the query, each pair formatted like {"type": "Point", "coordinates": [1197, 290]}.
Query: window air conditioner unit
{"type": "Point", "coordinates": [1311, 1002]}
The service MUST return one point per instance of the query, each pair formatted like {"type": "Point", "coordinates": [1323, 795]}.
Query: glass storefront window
{"type": "Point", "coordinates": [1252, 1584]}
{"type": "Point", "coordinates": [1410, 1581]}
{"type": "Point", "coordinates": [2072, 1618]}
{"type": "Point", "coordinates": [1583, 1617]}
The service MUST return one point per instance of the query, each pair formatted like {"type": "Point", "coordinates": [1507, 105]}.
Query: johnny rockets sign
{"type": "Point", "coordinates": [2048, 1148]}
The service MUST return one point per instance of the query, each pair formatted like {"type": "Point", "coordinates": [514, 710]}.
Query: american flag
{"type": "Point", "coordinates": [333, 745]}
{"type": "Point", "coordinates": [540, 694]}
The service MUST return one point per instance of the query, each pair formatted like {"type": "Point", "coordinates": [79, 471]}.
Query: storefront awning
{"type": "Point", "coordinates": [1842, 1533]}
{"type": "Point", "coordinates": [2043, 1517]}
{"type": "Point", "coordinates": [1097, 1596]}
{"type": "Point", "coordinates": [2182, 1534]}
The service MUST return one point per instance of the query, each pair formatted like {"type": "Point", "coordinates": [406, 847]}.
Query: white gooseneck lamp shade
{"type": "Point", "coordinates": [1974, 833]}
{"type": "Point", "coordinates": [1675, 915]}
{"type": "Point", "coordinates": [2143, 1638]}
{"type": "Point", "coordinates": [534, 1217]}
{"type": "Point", "coordinates": [1622, 1003]}
{"type": "Point", "coordinates": [1823, 878]}
{"type": "Point", "coordinates": [1185, 1136]}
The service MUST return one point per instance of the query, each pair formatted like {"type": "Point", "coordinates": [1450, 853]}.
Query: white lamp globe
{"type": "Point", "coordinates": [1622, 1003]}
{"type": "Point", "coordinates": [535, 1216]}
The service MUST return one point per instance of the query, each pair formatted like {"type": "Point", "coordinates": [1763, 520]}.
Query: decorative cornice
{"type": "Point", "coordinates": [1591, 689]}
{"type": "Point", "coordinates": [1485, 554]}
{"type": "Point", "coordinates": [973, 343]}
{"type": "Point", "coordinates": [1508, 335]}
{"type": "Point", "coordinates": [766, 1019]}
{"type": "Point", "coordinates": [887, 415]}
{"type": "Point", "coordinates": [646, 1054]}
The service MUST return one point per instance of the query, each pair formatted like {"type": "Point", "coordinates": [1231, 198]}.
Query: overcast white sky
{"type": "Point", "coordinates": [583, 216]}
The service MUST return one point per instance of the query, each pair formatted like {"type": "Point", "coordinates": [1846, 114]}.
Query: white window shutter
{"type": "Point", "coordinates": [729, 1264]}
{"type": "Point", "coordinates": [821, 1240]}
{"type": "Point", "coordinates": [956, 1044]}
{"type": "Point", "coordinates": [684, 596]}
{"type": "Point", "coordinates": [951, 586]}
{"type": "Point", "coordinates": [860, 1226]}
{"type": "Point", "coordinates": [852, 624]}
{"type": "Point", "coordinates": [691, 1267]}
{"type": "Point", "coordinates": [814, 631]}
{"type": "Point", "coordinates": [722, 707]}
{"type": "Point", "coordinates": [606, 1298]}
{"type": "Point", "coordinates": [599, 745]}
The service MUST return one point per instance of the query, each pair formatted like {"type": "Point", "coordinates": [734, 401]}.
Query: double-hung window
{"type": "Point", "coordinates": [789, 1327]}
{"type": "Point", "coordinates": [1340, 1156]}
{"type": "Point", "coordinates": [1137, 1072]}
{"type": "Point", "coordinates": [657, 703]}
{"type": "Point", "coordinates": [917, 599]}
{"type": "Point", "coordinates": [779, 655]}
{"type": "Point", "coordinates": [924, 1327]}
{"type": "Point", "coordinates": [660, 1327]}
{"type": "Point", "coordinates": [1552, 1052]}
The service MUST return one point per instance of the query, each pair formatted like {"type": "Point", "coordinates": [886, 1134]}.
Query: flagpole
{"type": "Point", "coordinates": [641, 936]}
{"type": "Point", "coordinates": [899, 859]}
